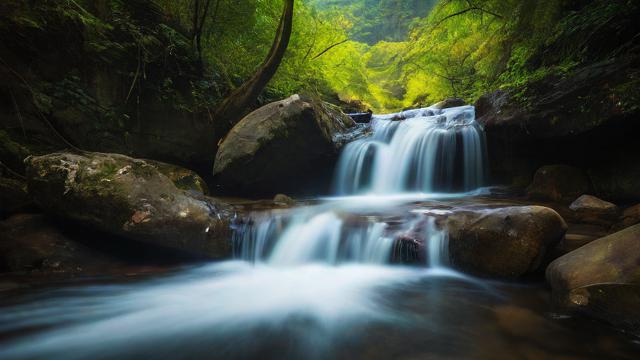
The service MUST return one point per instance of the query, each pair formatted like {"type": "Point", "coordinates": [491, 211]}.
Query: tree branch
{"type": "Point", "coordinates": [329, 48]}
{"type": "Point", "coordinates": [238, 103]}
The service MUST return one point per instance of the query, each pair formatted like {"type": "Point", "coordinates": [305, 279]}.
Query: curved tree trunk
{"type": "Point", "coordinates": [237, 104]}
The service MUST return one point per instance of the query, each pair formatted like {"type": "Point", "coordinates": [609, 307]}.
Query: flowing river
{"type": "Point", "coordinates": [325, 280]}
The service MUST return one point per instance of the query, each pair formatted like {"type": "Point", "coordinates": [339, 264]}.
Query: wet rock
{"type": "Point", "coordinates": [13, 196]}
{"type": "Point", "coordinates": [130, 198]}
{"type": "Point", "coordinates": [558, 183]}
{"type": "Point", "coordinates": [601, 279]}
{"type": "Point", "coordinates": [361, 118]}
{"type": "Point", "coordinates": [31, 243]}
{"type": "Point", "coordinates": [506, 242]}
{"type": "Point", "coordinates": [450, 103]}
{"type": "Point", "coordinates": [283, 200]}
{"type": "Point", "coordinates": [285, 146]}
{"type": "Point", "coordinates": [591, 210]}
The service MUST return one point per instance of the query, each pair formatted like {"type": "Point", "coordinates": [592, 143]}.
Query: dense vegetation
{"type": "Point", "coordinates": [386, 54]}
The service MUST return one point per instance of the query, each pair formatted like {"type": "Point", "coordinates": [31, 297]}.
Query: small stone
{"type": "Point", "coordinates": [591, 210]}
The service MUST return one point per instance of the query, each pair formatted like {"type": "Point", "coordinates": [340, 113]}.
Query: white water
{"type": "Point", "coordinates": [431, 150]}
{"type": "Point", "coordinates": [313, 275]}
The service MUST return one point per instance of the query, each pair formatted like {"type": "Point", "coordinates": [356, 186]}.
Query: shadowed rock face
{"type": "Point", "coordinates": [13, 196]}
{"type": "Point", "coordinates": [283, 147]}
{"type": "Point", "coordinates": [31, 243]}
{"type": "Point", "coordinates": [130, 198]}
{"type": "Point", "coordinates": [602, 278]}
{"type": "Point", "coordinates": [558, 183]}
{"type": "Point", "coordinates": [587, 120]}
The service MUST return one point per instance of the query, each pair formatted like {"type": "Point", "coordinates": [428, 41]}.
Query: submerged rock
{"type": "Point", "coordinates": [558, 183]}
{"type": "Point", "coordinates": [591, 210]}
{"type": "Point", "coordinates": [130, 198]}
{"type": "Point", "coordinates": [281, 147]}
{"type": "Point", "coordinates": [601, 279]}
{"type": "Point", "coordinates": [506, 242]}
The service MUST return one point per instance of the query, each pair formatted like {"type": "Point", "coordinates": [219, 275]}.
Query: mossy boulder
{"type": "Point", "coordinates": [283, 147]}
{"type": "Point", "coordinates": [131, 198]}
{"type": "Point", "coordinates": [601, 279]}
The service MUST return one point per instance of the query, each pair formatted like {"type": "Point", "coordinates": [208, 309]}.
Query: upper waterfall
{"type": "Point", "coordinates": [422, 150]}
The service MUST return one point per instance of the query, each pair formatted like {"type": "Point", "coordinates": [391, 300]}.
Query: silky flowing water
{"type": "Point", "coordinates": [318, 281]}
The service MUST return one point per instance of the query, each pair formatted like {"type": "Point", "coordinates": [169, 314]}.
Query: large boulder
{"type": "Point", "coordinates": [505, 242]}
{"type": "Point", "coordinates": [131, 198]}
{"type": "Point", "coordinates": [558, 183]}
{"type": "Point", "coordinates": [284, 146]}
{"type": "Point", "coordinates": [591, 210]}
{"type": "Point", "coordinates": [601, 279]}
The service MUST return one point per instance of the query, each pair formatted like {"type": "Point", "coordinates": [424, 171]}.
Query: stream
{"type": "Point", "coordinates": [326, 280]}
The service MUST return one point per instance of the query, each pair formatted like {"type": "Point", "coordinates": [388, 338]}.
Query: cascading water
{"type": "Point", "coordinates": [429, 150]}
{"type": "Point", "coordinates": [340, 232]}
{"type": "Point", "coordinates": [309, 276]}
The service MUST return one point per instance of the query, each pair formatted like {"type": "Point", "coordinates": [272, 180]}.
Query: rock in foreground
{"type": "Point", "coordinates": [281, 147]}
{"type": "Point", "coordinates": [601, 279]}
{"type": "Point", "coordinates": [131, 198]}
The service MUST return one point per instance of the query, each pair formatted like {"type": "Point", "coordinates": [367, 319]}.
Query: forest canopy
{"type": "Point", "coordinates": [390, 54]}
{"type": "Point", "coordinates": [384, 55]}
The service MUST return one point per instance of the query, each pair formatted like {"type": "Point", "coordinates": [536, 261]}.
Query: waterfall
{"type": "Point", "coordinates": [424, 150]}
{"type": "Point", "coordinates": [310, 279]}
{"type": "Point", "coordinates": [340, 234]}
{"type": "Point", "coordinates": [417, 151]}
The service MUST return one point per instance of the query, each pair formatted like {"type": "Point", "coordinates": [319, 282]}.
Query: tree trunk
{"type": "Point", "coordinates": [237, 104]}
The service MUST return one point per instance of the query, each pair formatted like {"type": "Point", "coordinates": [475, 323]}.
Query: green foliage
{"type": "Point", "coordinates": [386, 54]}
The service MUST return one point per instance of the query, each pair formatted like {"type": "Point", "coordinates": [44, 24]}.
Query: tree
{"type": "Point", "coordinates": [238, 103]}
